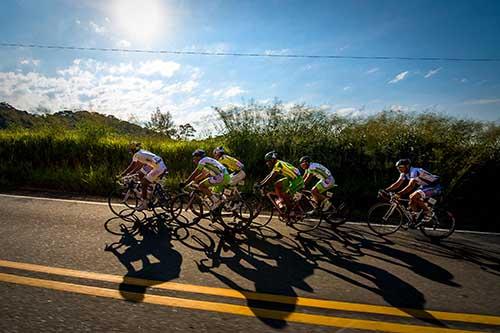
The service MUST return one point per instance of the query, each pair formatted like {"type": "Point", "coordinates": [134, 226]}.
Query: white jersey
{"type": "Point", "coordinates": [147, 157]}
{"type": "Point", "coordinates": [213, 166]}
{"type": "Point", "coordinates": [421, 176]}
{"type": "Point", "coordinates": [319, 171]}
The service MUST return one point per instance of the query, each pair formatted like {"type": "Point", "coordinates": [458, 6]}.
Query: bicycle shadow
{"type": "Point", "coordinates": [395, 291]}
{"type": "Point", "coordinates": [152, 252]}
{"type": "Point", "coordinates": [286, 271]}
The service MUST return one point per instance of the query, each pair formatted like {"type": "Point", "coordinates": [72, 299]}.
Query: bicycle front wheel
{"type": "Point", "coordinates": [238, 217]}
{"type": "Point", "coordinates": [441, 226]}
{"type": "Point", "coordinates": [123, 202]}
{"type": "Point", "coordinates": [384, 219]}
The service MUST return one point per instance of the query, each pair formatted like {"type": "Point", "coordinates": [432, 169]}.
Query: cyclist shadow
{"type": "Point", "coordinates": [279, 278]}
{"type": "Point", "coordinates": [395, 291]}
{"type": "Point", "coordinates": [154, 255]}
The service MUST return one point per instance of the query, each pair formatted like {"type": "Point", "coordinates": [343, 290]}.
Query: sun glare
{"type": "Point", "coordinates": [142, 21]}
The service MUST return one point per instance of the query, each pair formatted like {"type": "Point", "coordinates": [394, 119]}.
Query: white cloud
{"type": "Point", "coordinates": [160, 67]}
{"type": "Point", "coordinates": [34, 62]}
{"type": "Point", "coordinates": [97, 28]}
{"type": "Point", "coordinates": [348, 112]}
{"type": "Point", "coordinates": [123, 43]}
{"type": "Point", "coordinates": [229, 92]}
{"type": "Point", "coordinates": [372, 70]}
{"type": "Point", "coordinates": [483, 101]}
{"type": "Point", "coordinates": [78, 22]}
{"type": "Point", "coordinates": [347, 88]}
{"type": "Point", "coordinates": [115, 89]}
{"type": "Point", "coordinates": [401, 76]}
{"type": "Point", "coordinates": [464, 80]}
{"type": "Point", "coordinates": [432, 72]}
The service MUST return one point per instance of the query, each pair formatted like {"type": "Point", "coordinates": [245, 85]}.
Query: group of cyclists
{"type": "Point", "coordinates": [214, 174]}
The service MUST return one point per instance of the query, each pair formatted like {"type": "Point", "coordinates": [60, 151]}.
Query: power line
{"type": "Point", "coordinates": [270, 55]}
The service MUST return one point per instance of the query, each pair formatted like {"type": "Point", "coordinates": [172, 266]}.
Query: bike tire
{"type": "Point", "coordinates": [179, 209]}
{"type": "Point", "coordinates": [122, 208]}
{"type": "Point", "coordinates": [340, 215]}
{"type": "Point", "coordinates": [236, 220]}
{"type": "Point", "coordinates": [381, 224]}
{"type": "Point", "coordinates": [122, 225]}
{"type": "Point", "coordinates": [441, 226]}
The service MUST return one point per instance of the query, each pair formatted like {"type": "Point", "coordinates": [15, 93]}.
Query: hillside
{"type": "Point", "coordinates": [10, 117]}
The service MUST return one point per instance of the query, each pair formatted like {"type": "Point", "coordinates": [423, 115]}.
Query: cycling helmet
{"type": "Point", "coordinates": [272, 155]}
{"type": "Point", "coordinates": [134, 146]}
{"type": "Point", "coordinates": [199, 153]}
{"type": "Point", "coordinates": [306, 159]}
{"type": "Point", "coordinates": [403, 161]}
{"type": "Point", "coordinates": [219, 150]}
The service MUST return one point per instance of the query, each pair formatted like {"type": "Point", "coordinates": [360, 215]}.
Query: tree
{"type": "Point", "coordinates": [162, 123]}
{"type": "Point", "coordinates": [185, 132]}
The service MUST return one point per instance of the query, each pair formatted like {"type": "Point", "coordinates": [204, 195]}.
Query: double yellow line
{"type": "Point", "coordinates": [238, 309]}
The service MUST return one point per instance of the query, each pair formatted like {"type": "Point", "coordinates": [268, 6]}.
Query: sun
{"type": "Point", "coordinates": [141, 21]}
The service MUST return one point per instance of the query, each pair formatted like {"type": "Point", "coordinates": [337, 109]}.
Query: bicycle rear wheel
{"type": "Point", "coordinates": [384, 219]}
{"type": "Point", "coordinates": [441, 226]}
{"type": "Point", "coordinates": [338, 214]}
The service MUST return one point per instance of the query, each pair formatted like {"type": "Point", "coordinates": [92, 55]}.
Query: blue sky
{"type": "Point", "coordinates": [130, 85]}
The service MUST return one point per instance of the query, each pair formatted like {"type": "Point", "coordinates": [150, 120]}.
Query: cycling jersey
{"type": "Point", "coordinates": [231, 163]}
{"type": "Point", "coordinates": [212, 166]}
{"type": "Point", "coordinates": [286, 169]}
{"type": "Point", "coordinates": [421, 176]}
{"type": "Point", "coordinates": [318, 170]}
{"type": "Point", "coordinates": [147, 157]}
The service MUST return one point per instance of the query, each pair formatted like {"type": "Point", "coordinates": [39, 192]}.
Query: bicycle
{"type": "Point", "coordinates": [125, 197]}
{"type": "Point", "coordinates": [386, 218]}
{"type": "Point", "coordinates": [233, 213]}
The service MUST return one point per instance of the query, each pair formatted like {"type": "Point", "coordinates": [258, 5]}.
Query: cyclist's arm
{"type": "Point", "coordinates": [268, 178]}
{"type": "Point", "coordinates": [307, 178]}
{"type": "Point", "coordinates": [393, 187]}
{"type": "Point", "coordinates": [133, 167]}
{"type": "Point", "coordinates": [193, 175]}
{"type": "Point", "coordinates": [408, 188]}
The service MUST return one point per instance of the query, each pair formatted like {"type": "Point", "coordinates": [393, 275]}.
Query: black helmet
{"type": "Point", "coordinates": [306, 159]}
{"type": "Point", "coordinates": [403, 161]}
{"type": "Point", "coordinates": [199, 153]}
{"type": "Point", "coordinates": [272, 155]}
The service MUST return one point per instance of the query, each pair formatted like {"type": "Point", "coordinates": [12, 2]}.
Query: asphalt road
{"type": "Point", "coordinates": [60, 270]}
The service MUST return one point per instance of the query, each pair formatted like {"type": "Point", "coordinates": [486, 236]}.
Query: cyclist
{"type": "Point", "coordinates": [326, 181]}
{"type": "Point", "coordinates": [232, 165]}
{"type": "Point", "coordinates": [218, 177]}
{"type": "Point", "coordinates": [149, 166]}
{"type": "Point", "coordinates": [421, 184]}
{"type": "Point", "coordinates": [290, 182]}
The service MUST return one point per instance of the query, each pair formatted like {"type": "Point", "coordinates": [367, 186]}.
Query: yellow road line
{"type": "Point", "coordinates": [225, 308]}
{"type": "Point", "coordinates": [225, 292]}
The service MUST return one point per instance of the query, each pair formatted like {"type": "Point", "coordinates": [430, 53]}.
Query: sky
{"type": "Point", "coordinates": [131, 86]}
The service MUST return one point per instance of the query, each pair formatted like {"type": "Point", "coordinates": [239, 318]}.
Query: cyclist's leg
{"type": "Point", "coordinates": [318, 192]}
{"type": "Point", "coordinates": [281, 188]}
{"type": "Point", "coordinates": [237, 177]}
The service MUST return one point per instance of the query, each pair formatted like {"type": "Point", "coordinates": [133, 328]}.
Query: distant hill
{"type": "Point", "coordinates": [10, 117]}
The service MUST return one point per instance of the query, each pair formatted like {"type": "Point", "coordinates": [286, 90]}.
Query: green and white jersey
{"type": "Point", "coordinates": [319, 171]}
{"type": "Point", "coordinates": [147, 157]}
{"type": "Point", "coordinates": [213, 166]}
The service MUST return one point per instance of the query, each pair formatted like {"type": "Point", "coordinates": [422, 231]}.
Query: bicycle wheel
{"type": "Point", "coordinates": [338, 214]}
{"type": "Point", "coordinates": [261, 208]}
{"type": "Point", "coordinates": [384, 219]}
{"type": "Point", "coordinates": [441, 226]}
{"type": "Point", "coordinates": [182, 207]}
{"type": "Point", "coordinates": [123, 202]}
{"type": "Point", "coordinates": [238, 217]}
{"type": "Point", "coordinates": [161, 203]}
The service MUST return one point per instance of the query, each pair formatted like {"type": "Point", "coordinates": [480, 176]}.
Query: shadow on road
{"type": "Point", "coordinates": [151, 251]}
